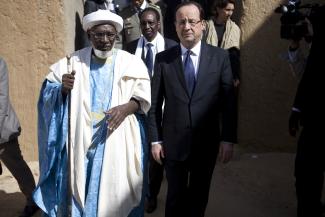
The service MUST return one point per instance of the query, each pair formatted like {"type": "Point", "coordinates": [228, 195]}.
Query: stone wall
{"type": "Point", "coordinates": [35, 34]}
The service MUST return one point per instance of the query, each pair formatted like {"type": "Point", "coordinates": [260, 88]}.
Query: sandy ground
{"type": "Point", "coordinates": [252, 185]}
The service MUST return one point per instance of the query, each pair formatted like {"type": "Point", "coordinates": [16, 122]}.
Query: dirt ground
{"type": "Point", "coordinates": [252, 185]}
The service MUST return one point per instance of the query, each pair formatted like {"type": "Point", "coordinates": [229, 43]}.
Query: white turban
{"type": "Point", "coordinates": [101, 17]}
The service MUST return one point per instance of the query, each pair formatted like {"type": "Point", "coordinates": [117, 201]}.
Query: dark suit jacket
{"type": "Point", "coordinates": [93, 5]}
{"type": "Point", "coordinates": [132, 30]}
{"type": "Point", "coordinates": [310, 91]}
{"type": "Point", "coordinates": [190, 124]}
{"type": "Point", "coordinates": [132, 46]}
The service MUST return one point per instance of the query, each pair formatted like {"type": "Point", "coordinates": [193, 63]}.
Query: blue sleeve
{"type": "Point", "coordinates": [52, 134]}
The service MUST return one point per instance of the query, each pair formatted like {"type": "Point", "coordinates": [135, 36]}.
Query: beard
{"type": "Point", "coordinates": [102, 54]}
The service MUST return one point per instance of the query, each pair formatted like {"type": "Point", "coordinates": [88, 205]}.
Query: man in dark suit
{"type": "Point", "coordinates": [150, 24]}
{"type": "Point", "coordinates": [308, 111]}
{"type": "Point", "coordinates": [94, 5]}
{"type": "Point", "coordinates": [169, 17]}
{"type": "Point", "coordinates": [130, 15]}
{"type": "Point", "coordinates": [195, 82]}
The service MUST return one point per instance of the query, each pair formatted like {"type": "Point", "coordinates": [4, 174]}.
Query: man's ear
{"type": "Point", "coordinates": [159, 26]}
{"type": "Point", "coordinates": [204, 24]}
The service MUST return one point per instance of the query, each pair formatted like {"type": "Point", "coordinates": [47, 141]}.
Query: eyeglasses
{"type": "Point", "coordinates": [145, 23]}
{"type": "Point", "coordinates": [102, 35]}
{"type": "Point", "coordinates": [192, 23]}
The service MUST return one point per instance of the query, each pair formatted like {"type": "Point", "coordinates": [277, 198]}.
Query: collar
{"type": "Point", "coordinates": [196, 49]}
{"type": "Point", "coordinates": [142, 7]}
{"type": "Point", "coordinates": [153, 42]}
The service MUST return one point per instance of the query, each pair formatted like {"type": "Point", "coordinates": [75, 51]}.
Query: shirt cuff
{"type": "Point", "coordinates": [227, 143]}
{"type": "Point", "coordinates": [295, 109]}
{"type": "Point", "coordinates": [157, 143]}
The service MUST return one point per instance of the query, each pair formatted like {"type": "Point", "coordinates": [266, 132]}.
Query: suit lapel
{"type": "Point", "coordinates": [203, 67]}
{"type": "Point", "coordinates": [179, 69]}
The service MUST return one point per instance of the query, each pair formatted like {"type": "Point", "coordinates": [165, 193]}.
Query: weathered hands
{"type": "Point", "coordinates": [67, 82]}
{"type": "Point", "coordinates": [117, 114]}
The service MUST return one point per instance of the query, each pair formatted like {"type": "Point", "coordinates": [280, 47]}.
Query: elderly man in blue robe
{"type": "Point", "coordinates": [109, 93]}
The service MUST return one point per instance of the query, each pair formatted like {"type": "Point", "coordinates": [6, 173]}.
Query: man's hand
{"type": "Point", "coordinates": [236, 82]}
{"type": "Point", "coordinates": [67, 82]}
{"type": "Point", "coordinates": [157, 152]}
{"type": "Point", "coordinates": [294, 121]}
{"type": "Point", "coordinates": [226, 151]}
{"type": "Point", "coordinates": [116, 115]}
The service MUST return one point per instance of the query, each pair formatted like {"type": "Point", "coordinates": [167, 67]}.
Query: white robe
{"type": "Point", "coordinates": [121, 177]}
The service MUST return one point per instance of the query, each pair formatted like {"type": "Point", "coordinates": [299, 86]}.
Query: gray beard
{"type": "Point", "coordinates": [102, 54]}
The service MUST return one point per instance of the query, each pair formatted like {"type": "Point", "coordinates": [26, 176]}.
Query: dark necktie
{"type": "Point", "coordinates": [149, 59]}
{"type": "Point", "coordinates": [189, 72]}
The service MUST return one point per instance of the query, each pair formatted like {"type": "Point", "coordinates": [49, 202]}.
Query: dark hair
{"type": "Point", "coordinates": [98, 1]}
{"type": "Point", "coordinates": [150, 9]}
{"type": "Point", "coordinates": [190, 3]}
{"type": "Point", "coordinates": [220, 4]}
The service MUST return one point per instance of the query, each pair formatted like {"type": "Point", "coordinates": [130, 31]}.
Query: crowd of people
{"type": "Point", "coordinates": [137, 102]}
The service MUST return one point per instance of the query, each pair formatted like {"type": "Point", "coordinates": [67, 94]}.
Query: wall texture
{"type": "Point", "coordinates": [268, 86]}
{"type": "Point", "coordinates": [35, 34]}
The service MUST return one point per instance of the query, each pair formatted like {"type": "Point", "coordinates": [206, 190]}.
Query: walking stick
{"type": "Point", "coordinates": [69, 68]}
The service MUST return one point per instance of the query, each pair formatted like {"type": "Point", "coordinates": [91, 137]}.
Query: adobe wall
{"type": "Point", "coordinates": [267, 83]}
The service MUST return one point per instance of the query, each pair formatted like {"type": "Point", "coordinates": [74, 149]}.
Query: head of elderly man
{"type": "Point", "coordinates": [102, 27]}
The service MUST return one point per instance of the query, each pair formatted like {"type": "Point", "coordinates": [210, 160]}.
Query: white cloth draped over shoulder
{"type": "Point", "coordinates": [121, 177]}
{"type": "Point", "coordinates": [231, 37]}
{"type": "Point", "coordinates": [160, 44]}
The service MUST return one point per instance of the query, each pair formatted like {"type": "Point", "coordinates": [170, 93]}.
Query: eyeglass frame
{"type": "Point", "coordinates": [101, 35]}
{"type": "Point", "coordinates": [191, 22]}
{"type": "Point", "coordinates": [150, 23]}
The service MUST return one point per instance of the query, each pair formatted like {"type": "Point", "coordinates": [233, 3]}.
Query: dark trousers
{"type": "Point", "coordinates": [309, 172]}
{"type": "Point", "coordinates": [188, 186]}
{"type": "Point", "coordinates": [10, 155]}
{"type": "Point", "coordinates": [156, 173]}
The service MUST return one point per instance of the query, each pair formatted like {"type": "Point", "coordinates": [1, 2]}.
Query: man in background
{"type": "Point", "coordinates": [131, 20]}
{"type": "Point", "coordinates": [146, 47]}
{"type": "Point", "coordinates": [10, 153]}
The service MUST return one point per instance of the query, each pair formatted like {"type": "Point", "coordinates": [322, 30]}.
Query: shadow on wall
{"type": "Point", "coordinates": [267, 86]}
{"type": "Point", "coordinates": [80, 36]}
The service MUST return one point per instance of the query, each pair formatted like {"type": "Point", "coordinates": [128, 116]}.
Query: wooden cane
{"type": "Point", "coordinates": [69, 69]}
